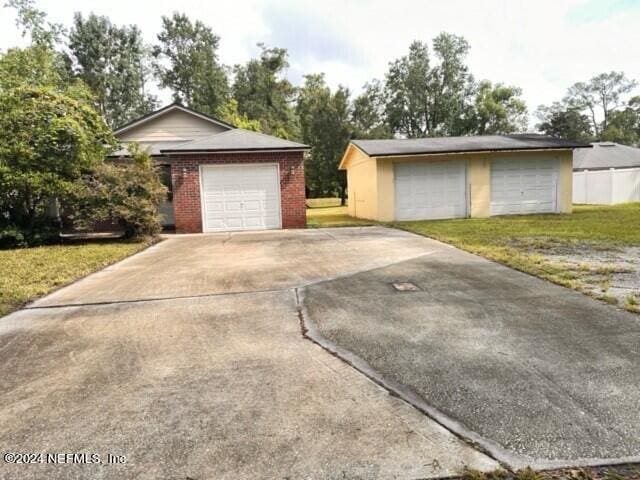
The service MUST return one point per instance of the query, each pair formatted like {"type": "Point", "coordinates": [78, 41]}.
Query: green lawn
{"type": "Point", "coordinates": [333, 217]}
{"type": "Point", "coordinates": [28, 273]}
{"type": "Point", "coordinates": [322, 202]}
{"type": "Point", "coordinates": [517, 241]}
{"type": "Point", "coordinates": [598, 223]}
{"type": "Point", "coordinates": [327, 212]}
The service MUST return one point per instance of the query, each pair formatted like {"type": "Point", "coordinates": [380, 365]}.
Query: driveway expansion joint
{"type": "Point", "coordinates": [155, 299]}
{"type": "Point", "coordinates": [36, 305]}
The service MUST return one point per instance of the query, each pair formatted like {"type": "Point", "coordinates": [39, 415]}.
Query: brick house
{"type": "Point", "coordinates": [220, 178]}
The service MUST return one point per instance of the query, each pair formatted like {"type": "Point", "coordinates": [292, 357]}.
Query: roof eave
{"type": "Point", "coordinates": [347, 154]}
{"type": "Point", "coordinates": [465, 152]}
{"type": "Point", "coordinates": [233, 150]}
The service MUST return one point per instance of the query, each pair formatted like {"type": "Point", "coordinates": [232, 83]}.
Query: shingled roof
{"type": "Point", "coordinates": [606, 155]}
{"type": "Point", "coordinates": [237, 139]}
{"type": "Point", "coordinates": [480, 143]}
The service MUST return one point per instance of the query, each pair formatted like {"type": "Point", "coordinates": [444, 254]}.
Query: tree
{"type": "Point", "coordinates": [453, 85]}
{"type": "Point", "coordinates": [113, 61]}
{"type": "Point", "coordinates": [368, 113]}
{"type": "Point", "coordinates": [409, 99]}
{"type": "Point", "coordinates": [35, 66]}
{"type": "Point", "coordinates": [425, 99]}
{"type": "Point", "coordinates": [47, 140]}
{"type": "Point", "coordinates": [624, 125]}
{"type": "Point", "coordinates": [600, 96]}
{"type": "Point", "coordinates": [324, 119]}
{"type": "Point", "coordinates": [126, 193]}
{"type": "Point", "coordinates": [34, 22]}
{"type": "Point", "coordinates": [265, 95]}
{"type": "Point", "coordinates": [561, 121]}
{"type": "Point", "coordinates": [499, 109]}
{"type": "Point", "coordinates": [186, 61]}
{"type": "Point", "coordinates": [229, 113]}
{"type": "Point", "coordinates": [39, 64]}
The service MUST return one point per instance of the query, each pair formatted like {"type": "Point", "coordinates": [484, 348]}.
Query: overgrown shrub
{"type": "Point", "coordinates": [47, 140]}
{"type": "Point", "coordinates": [127, 193]}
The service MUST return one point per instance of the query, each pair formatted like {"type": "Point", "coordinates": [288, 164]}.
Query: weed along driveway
{"type": "Point", "coordinates": [188, 359]}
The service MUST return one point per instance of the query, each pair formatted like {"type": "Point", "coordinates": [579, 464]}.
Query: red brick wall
{"type": "Point", "coordinates": [185, 175]}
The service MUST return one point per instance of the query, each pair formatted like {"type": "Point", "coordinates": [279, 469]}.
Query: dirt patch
{"type": "Point", "coordinates": [608, 272]}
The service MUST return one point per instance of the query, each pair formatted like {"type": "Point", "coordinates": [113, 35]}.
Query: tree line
{"type": "Point", "coordinates": [430, 91]}
{"type": "Point", "coordinates": [602, 108]}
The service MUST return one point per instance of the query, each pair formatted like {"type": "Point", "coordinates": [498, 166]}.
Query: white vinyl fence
{"type": "Point", "coordinates": [607, 186]}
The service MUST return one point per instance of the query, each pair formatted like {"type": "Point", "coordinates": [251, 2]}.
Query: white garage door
{"type": "Point", "coordinates": [240, 197]}
{"type": "Point", "coordinates": [430, 190]}
{"type": "Point", "coordinates": [524, 186]}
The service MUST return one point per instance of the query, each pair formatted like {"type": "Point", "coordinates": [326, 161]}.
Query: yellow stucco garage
{"type": "Point", "coordinates": [457, 177]}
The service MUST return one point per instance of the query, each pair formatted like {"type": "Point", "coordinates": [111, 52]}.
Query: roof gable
{"type": "Point", "coordinates": [168, 110]}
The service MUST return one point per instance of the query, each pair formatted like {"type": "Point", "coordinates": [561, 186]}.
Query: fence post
{"type": "Point", "coordinates": [613, 182]}
{"type": "Point", "coordinates": [586, 186]}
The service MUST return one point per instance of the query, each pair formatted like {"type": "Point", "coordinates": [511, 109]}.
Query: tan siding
{"type": "Point", "coordinates": [175, 125]}
{"type": "Point", "coordinates": [386, 190]}
{"type": "Point", "coordinates": [565, 183]}
{"type": "Point", "coordinates": [372, 191]}
{"type": "Point", "coordinates": [362, 185]}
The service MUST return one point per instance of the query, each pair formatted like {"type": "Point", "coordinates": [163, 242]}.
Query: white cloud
{"type": "Point", "coordinates": [542, 46]}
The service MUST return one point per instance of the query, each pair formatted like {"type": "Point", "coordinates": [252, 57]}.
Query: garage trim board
{"type": "Point", "coordinates": [237, 197]}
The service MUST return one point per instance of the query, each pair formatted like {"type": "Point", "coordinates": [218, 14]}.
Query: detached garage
{"type": "Point", "coordinates": [458, 177]}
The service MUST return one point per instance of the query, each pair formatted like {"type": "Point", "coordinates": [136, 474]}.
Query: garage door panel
{"type": "Point", "coordinates": [242, 197]}
{"type": "Point", "coordinates": [430, 190]}
{"type": "Point", "coordinates": [232, 222]}
{"type": "Point", "coordinates": [253, 206]}
{"type": "Point", "coordinates": [521, 186]}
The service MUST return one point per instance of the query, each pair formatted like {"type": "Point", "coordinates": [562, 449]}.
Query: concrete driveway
{"type": "Point", "coordinates": [537, 374]}
{"type": "Point", "coordinates": [188, 360]}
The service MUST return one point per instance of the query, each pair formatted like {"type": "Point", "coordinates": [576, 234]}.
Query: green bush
{"type": "Point", "coordinates": [48, 139]}
{"type": "Point", "coordinates": [12, 236]}
{"type": "Point", "coordinates": [127, 193]}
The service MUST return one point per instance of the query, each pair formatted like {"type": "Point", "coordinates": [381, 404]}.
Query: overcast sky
{"type": "Point", "coordinates": [542, 46]}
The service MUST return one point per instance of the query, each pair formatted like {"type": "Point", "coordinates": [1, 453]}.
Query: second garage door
{"type": "Point", "coordinates": [430, 190]}
{"type": "Point", "coordinates": [524, 186]}
{"type": "Point", "coordinates": [240, 197]}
